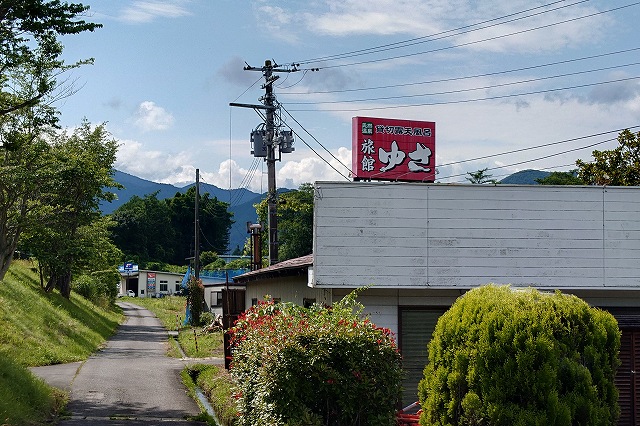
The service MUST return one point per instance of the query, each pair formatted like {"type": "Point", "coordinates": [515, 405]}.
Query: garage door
{"type": "Point", "coordinates": [416, 328]}
{"type": "Point", "coordinates": [626, 378]}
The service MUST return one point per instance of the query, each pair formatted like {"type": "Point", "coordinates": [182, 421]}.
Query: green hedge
{"type": "Point", "coordinates": [502, 356]}
{"type": "Point", "coordinates": [317, 366]}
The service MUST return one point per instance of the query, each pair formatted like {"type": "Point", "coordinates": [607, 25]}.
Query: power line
{"type": "Point", "coordinates": [449, 79]}
{"type": "Point", "coordinates": [537, 159]}
{"type": "Point", "coordinates": [318, 142]}
{"type": "Point", "coordinates": [498, 37]}
{"type": "Point", "coordinates": [488, 98]}
{"type": "Point", "coordinates": [432, 37]}
{"type": "Point", "coordinates": [449, 92]}
{"type": "Point", "coordinates": [515, 151]}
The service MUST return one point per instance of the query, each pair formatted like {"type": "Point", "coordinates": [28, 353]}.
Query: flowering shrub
{"type": "Point", "coordinates": [195, 299]}
{"type": "Point", "coordinates": [521, 357]}
{"type": "Point", "coordinates": [316, 366]}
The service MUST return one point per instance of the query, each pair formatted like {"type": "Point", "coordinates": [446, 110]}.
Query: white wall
{"type": "Point", "coordinates": [287, 289]}
{"type": "Point", "coordinates": [407, 235]}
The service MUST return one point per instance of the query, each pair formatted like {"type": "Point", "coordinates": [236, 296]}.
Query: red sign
{"type": "Point", "coordinates": [398, 150]}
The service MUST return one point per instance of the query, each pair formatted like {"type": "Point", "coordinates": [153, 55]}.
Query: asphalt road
{"type": "Point", "coordinates": [130, 382]}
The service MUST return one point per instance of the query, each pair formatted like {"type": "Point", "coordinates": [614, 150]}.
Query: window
{"type": "Point", "coordinates": [164, 286]}
{"type": "Point", "coordinates": [178, 286]}
{"type": "Point", "coordinates": [216, 298]}
{"type": "Point", "coordinates": [254, 301]}
{"type": "Point", "coordinates": [308, 302]}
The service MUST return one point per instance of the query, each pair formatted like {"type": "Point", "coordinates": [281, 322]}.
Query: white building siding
{"type": "Point", "coordinates": [462, 236]}
{"type": "Point", "coordinates": [286, 289]}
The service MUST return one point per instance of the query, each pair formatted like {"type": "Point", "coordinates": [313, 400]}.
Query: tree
{"type": "Point", "coordinates": [295, 222]}
{"type": "Point", "coordinates": [215, 223]}
{"type": "Point", "coordinates": [151, 230]}
{"type": "Point", "coordinates": [81, 167]}
{"type": "Point", "coordinates": [24, 171]}
{"type": "Point", "coordinates": [501, 356]}
{"type": "Point", "coordinates": [143, 229]}
{"type": "Point", "coordinates": [30, 66]}
{"type": "Point", "coordinates": [480, 177]}
{"type": "Point", "coordinates": [616, 167]}
{"type": "Point", "coordinates": [561, 178]}
{"type": "Point", "coordinates": [29, 31]}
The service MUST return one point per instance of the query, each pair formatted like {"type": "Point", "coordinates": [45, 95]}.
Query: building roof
{"type": "Point", "coordinates": [290, 267]}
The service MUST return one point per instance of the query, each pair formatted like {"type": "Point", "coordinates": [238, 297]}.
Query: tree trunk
{"type": "Point", "coordinates": [61, 281]}
{"type": "Point", "coordinates": [8, 245]}
{"type": "Point", "coordinates": [65, 285]}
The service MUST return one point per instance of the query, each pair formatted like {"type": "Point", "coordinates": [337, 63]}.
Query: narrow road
{"type": "Point", "coordinates": [130, 382]}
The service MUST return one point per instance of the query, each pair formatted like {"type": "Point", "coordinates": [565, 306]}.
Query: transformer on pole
{"type": "Point", "coordinates": [268, 141]}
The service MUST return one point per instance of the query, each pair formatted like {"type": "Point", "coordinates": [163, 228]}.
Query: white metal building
{"type": "Point", "coordinates": [149, 283]}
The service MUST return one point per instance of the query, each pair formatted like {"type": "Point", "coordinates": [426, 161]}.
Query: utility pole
{"type": "Point", "coordinates": [196, 251]}
{"type": "Point", "coordinates": [268, 142]}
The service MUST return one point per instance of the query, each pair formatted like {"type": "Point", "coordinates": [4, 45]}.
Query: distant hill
{"type": "Point", "coordinates": [241, 201]}
{"type": "Point", "coordinates": [525, 177]}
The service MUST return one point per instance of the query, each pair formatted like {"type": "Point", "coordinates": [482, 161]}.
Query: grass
{"type": "Point", "coordinates": [41, 328]}
{"type": "Point", "coordinates": [217, 385]}
{"type": "Point", "coordinates": [209, 344]}
{"type": "Point", "coordinates": [25, 399]}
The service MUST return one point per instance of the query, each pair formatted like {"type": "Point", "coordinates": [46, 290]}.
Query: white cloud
{"type": "Point", "coordinates": [435, 20]}
{"type": "Point", "coordinates": [135, 159]}
{"type": "Point", "coordinates": [150, 116]}
{"type": "Point", "coordinates": [147, 11]}
{"type": "Point", "coordinates": [311, 169]}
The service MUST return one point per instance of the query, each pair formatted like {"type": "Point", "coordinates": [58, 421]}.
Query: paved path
{"type": "Point", "coordinates": [130, 382]}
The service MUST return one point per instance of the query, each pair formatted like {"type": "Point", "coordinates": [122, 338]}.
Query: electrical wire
{"type": "Point", "coordinates": [515, 151]}
{"type": "Point", "coordinates": [431, 37]}
{"type": "Point", "coordinates": [470, 43]}
{"type": "Point", "coordinates": [536, 159]}
{"type": "Point", "coordinates": [488, 98]}
{"type": "Point", "coordinates": [450, 79]}
{"type": "Point", "coordinates": [317, 141]}
{"type": "Point", "coordinates": [449, 92]}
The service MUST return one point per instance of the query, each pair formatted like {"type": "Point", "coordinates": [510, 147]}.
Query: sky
{"type": "Point", "coordinates": [510, 84]}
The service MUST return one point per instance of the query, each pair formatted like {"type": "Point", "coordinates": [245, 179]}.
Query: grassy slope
{"type": "Point", "coordinates": [44, 329]}
{"type": "Point", "coordinates": [41, 329]}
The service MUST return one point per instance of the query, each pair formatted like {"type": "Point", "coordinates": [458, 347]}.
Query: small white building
{"type": "Point", "coordinates": [146, 283]}
{"type": "Point", "coordinates": [420, 246]}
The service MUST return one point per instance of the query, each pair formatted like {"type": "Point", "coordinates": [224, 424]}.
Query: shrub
{"type": "Point", "coordinates": [101, 287]}
{"type": "Point", "coordinates": [521, 357]}
{"type": "Point", "coordinates": [86, 286]}
{"type": "Point", "coordinates": [314, 366]}
{"type": "Point", "coordinates": [195, 299]}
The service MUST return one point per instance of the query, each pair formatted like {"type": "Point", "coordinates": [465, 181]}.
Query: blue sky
{"type": "Point", "coordinates": [496, 77]}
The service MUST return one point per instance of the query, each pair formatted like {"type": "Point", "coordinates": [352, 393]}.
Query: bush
{"type": "Point", "coordinates": [521, 357]}
{"type": "Point", "coordinates": [195, 299]}
{"type": "Point", "coordinates": [314, 366]}
{"type": "Point", "coordinates": [100, 287]}
{"type": "Point", "coordinates": [86, 286]}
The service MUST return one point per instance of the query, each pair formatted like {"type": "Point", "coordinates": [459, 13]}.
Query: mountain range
{"type": "Point", "coordinates": [241, 201]}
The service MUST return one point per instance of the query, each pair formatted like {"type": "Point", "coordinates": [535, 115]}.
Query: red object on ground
{"type": "Point", "coordinates": [403, 418]}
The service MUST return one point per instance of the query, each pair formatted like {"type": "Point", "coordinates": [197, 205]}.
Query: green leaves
{"type": "Point", "coordinates": [616, 167]}
{"type": "Point", "coordinates": [320, 365]}
{"type": "Point", "coordinates": [502, 357]}
{"type": "Point", "coordinates": [30, 50]}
